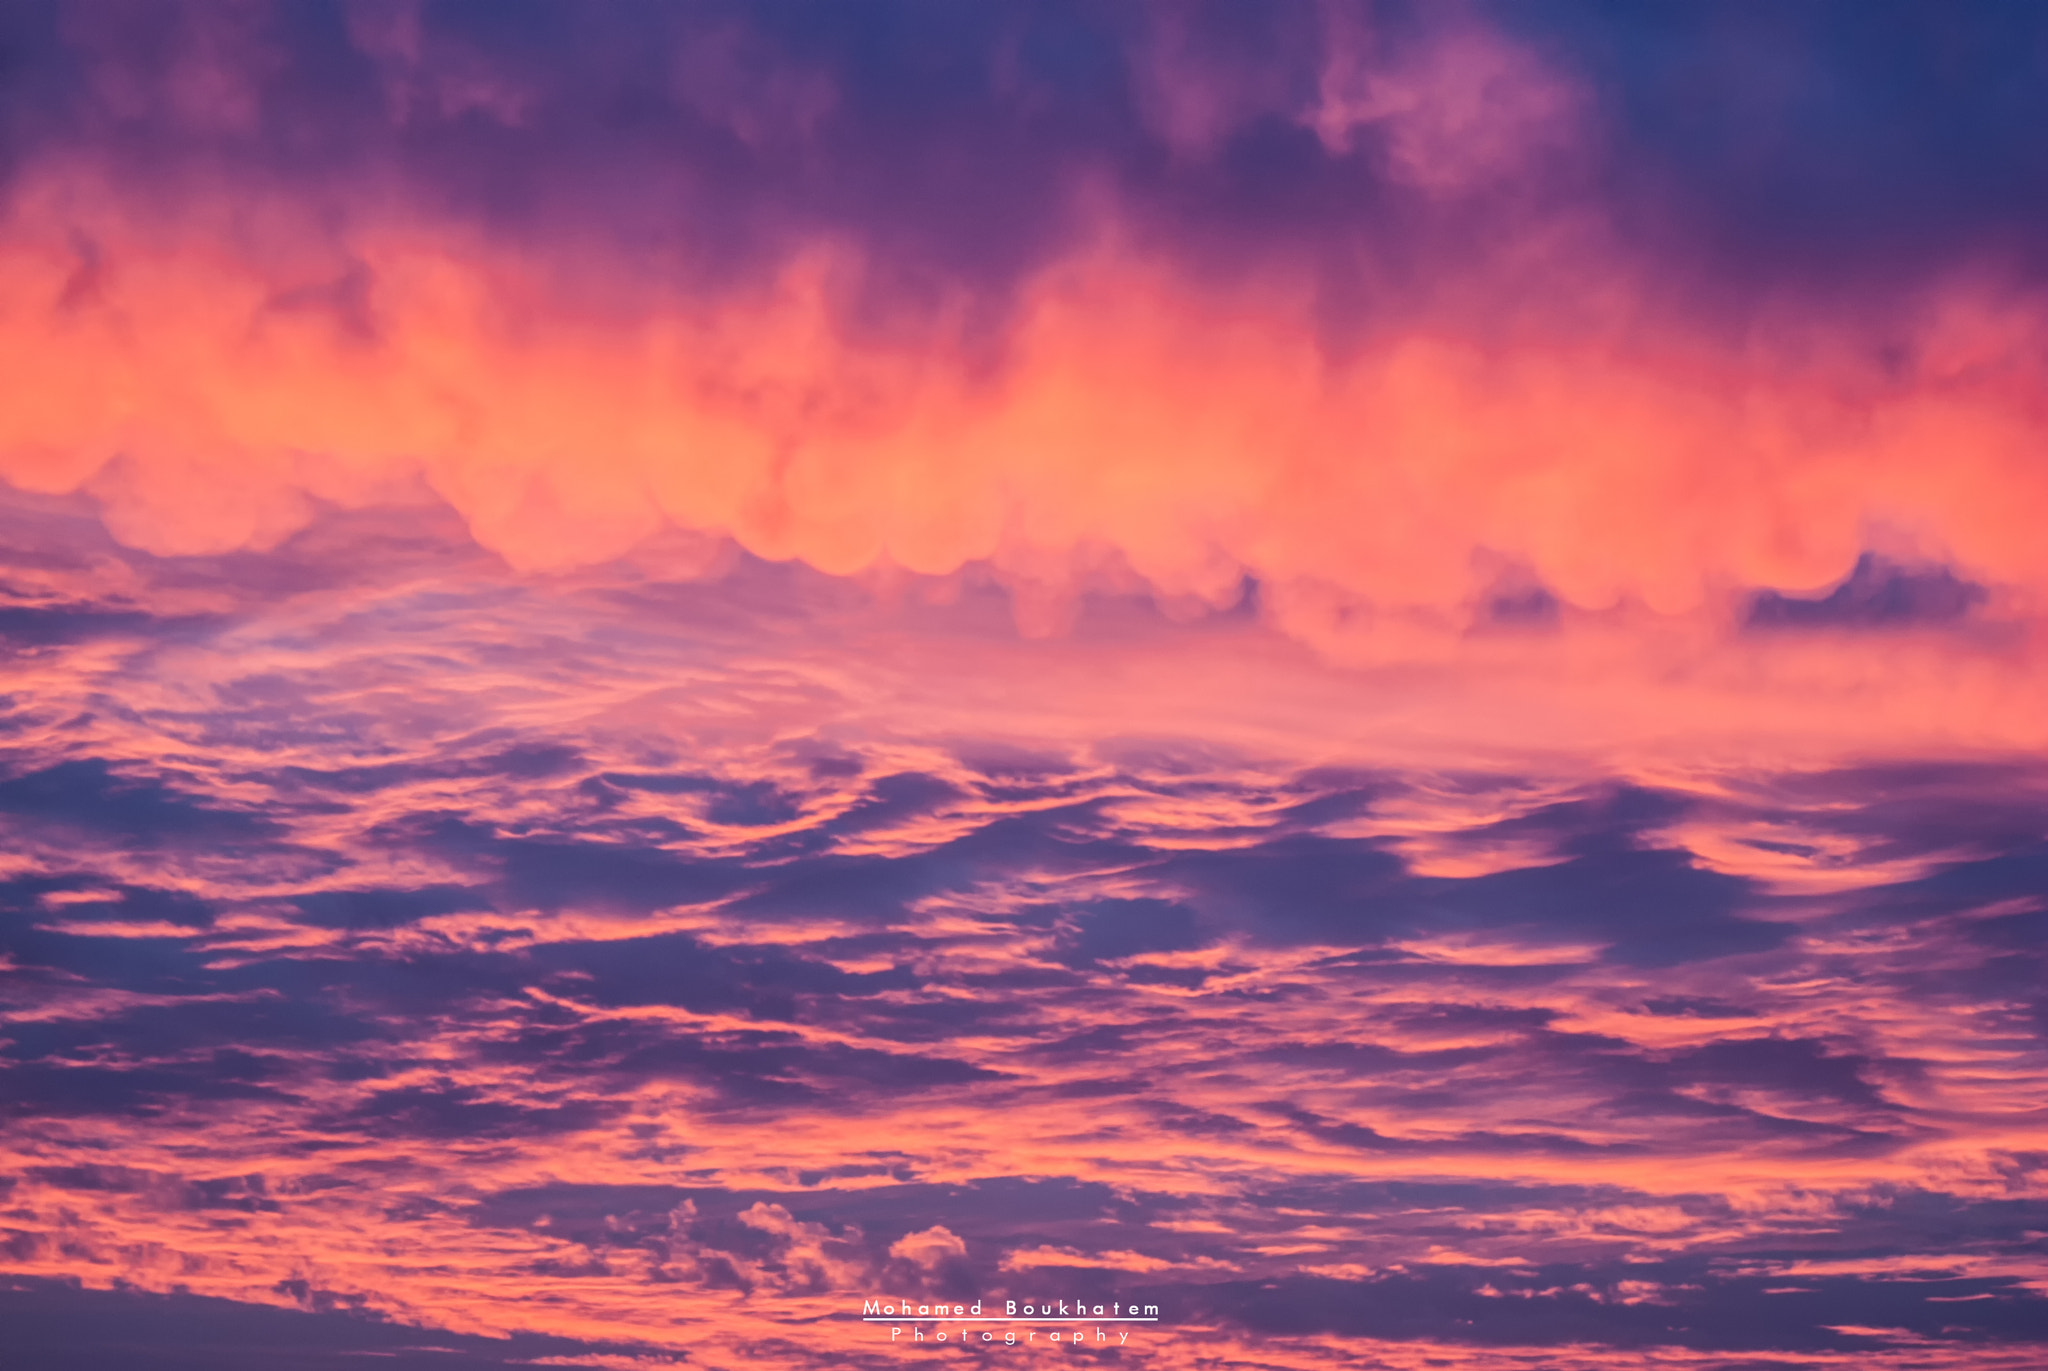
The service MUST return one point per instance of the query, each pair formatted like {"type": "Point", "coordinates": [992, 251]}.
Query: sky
{"type": "Point", "coordinates": [1376, 673]}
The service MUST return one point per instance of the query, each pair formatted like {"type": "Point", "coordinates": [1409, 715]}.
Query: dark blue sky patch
{"type": "Point", "coordinates": [50, 625]}
{"type": "Point", "coordinates": [83, 897]}
{"type": "Point", "coordinates": [1817, 145]}
{"type": "Point", "coordinates": [56, 1326]}
{"type": "Point", "coordinates": [1612, 819]}
{"type": "Point", "coordinates": [1297, 889]}
{"type": "Point", "coordinates": [169, 965]}
{"type": "Point", "coordinates": [1367, 1060]}
{"type": "Point", "coordinates": [1530, 607]}
{"type": "Point", "coordinates": [380, 909]}
{"type": "Point", "coordinates": [456, 1113]}
{"type": "Point", "coordinates": [1797, 1068]}
{"type": "Point", "coordinates": [1479, 1142]}
{"type": "Point", "coordinates": [929, 1020]}
{"type": "Point", "coordinates": [1111, 930]}
{"type": "Point", "coordinates": [868, 890]}
{"type": "Point", "coordinates": [746, 803]}
{"type": "Point", "coordinates": [1347, 1194]}
{"type": "Point", "coordinates": [1654, 908]}
{"type": "Point", "coordinates": [1720, 1313]}
{"type": "Point", "coordinates": [891, 800]}
{"type": "Point", "coordinates": [285, 1030]}
{"type": "Point", "coordinates": [93, 796]}
{"type": "Point", "coordinates": [1915, 1219]}
{"type": "Point", "coordinates": [1963, 886]}
{"type": "Point", "coordinates": [554, 874]}
{"type": "Point", "coordinates": [1336, 797]}
{"type": "Point", "coordinates": [1694, 1007]}
{"type": "Point", "coordinates": [675, 968]}
{"type": "Point", "coordinates": [748, 1069]}
{"type": "Point", "coordinates": [41, 1089]}
{"type": "Point", "coordinates": [1877, 595]}
{"type": "Point", "coordinates": [241, 1194]}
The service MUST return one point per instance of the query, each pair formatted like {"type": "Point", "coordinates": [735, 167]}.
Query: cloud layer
{"type": "Point", "coordinates": [1370, 310]}
{"type": "Point", "coordinates": [616, 962]}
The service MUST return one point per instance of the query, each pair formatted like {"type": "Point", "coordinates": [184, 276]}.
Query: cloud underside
{"type": "Point", "coordinates": [1402, 327]}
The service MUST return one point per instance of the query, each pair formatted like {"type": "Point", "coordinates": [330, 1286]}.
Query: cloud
{"type": "Point", "coordinates": [1522, 426]}
{"type": "Point", "coordinates": [933, 1019]}
{"type": "Point", "coordinates": [931, 1247]}
{"type": "Point", "coordinates": [55, 1324]}
{"type": "Point", "coordinates": [88, 794]}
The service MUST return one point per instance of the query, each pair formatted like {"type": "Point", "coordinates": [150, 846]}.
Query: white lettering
{"type": "Point", "coordinates": [1011, 1307]}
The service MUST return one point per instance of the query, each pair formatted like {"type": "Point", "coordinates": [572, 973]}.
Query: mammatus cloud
{"type": "Point", "coordinates": [1524, 404]}
{"type": "Point", "coordinates": [1193, 434]}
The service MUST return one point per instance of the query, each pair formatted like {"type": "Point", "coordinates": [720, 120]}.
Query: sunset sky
{"type": "Point", "coordinates": [1375, 672]}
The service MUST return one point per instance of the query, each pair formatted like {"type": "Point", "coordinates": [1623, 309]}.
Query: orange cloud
{"type": "Point", "coordinates": [216, 377]}
{"type": "Point", "coordinates": [208, 375]}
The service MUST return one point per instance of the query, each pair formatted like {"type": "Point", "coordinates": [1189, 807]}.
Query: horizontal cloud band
{"type": "Point", "coordinates": [1370, 313]}
{"type": "Point", "coordinates": [204, 389]}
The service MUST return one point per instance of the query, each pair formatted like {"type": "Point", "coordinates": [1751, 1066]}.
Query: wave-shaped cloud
{"type": "Point", "coordinates": [1433, 365]}
{"type": "Point", "coordinates": [523, 961]}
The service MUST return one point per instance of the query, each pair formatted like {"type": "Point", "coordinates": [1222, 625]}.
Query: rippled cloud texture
{"type": "Point", "coordinates": [1371, 672]}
